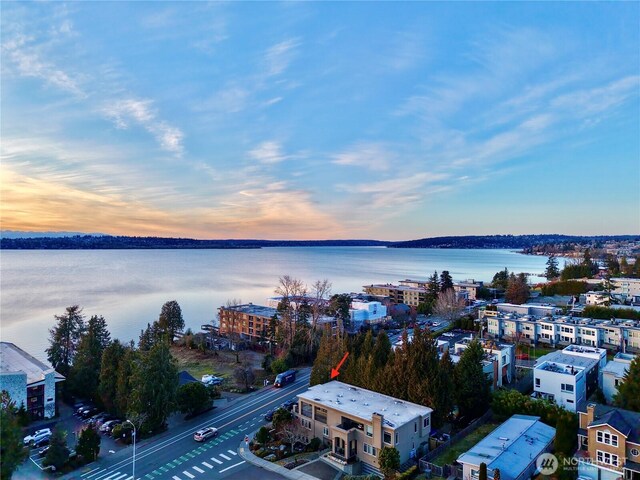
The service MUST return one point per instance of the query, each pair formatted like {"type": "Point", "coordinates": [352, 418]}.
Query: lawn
{"type": "Point", "coordinates": [219, 363]}
{"type": "Point", "coordinates": [452, 453]}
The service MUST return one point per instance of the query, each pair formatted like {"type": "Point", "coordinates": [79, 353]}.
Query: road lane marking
{"type": "Point", "coordinates": [188, 474]}
{"type": "Point", "coordinates": [121, 476]}
{"type": "Point", "coordinates": [175, 477]}
{"type": "Point", "coordinates": [198, 469]}
{"type": "Point", "coordinates": [87, 473]}
{"type": "Point", "coordinates": [216, 460]}
{"type": "Point", "coordinates": [229, 468]}
{"type": "Point", "coordinates": [224, 456]}
{"type": "Point", "coordinates": [208, 465]}
{"type": "Point", "coordinates": [232, 452]}
{"type": "Point", "coordinates": [96, 473]}
{"type": "Point", "coordinates": [264, 400]}
{"type": "Point", "coordinates": [112, 476]}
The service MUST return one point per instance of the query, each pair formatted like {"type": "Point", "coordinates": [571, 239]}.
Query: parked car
{"type": "Point", "coordinates": [289, 404]}
{"type": "Point", "coordinates": [83, 408]}
{"type": "Point", "coordinates": [36, 435]}
{"type": "Point", "coordinates": [90, 412]}
{"type": "Point", "coordinates": [212, 380]}
{"type": "Point", "coordinates": [42, 441]}
{"type": "Point", "coordinates": [268, 416]}
{"type": "Point", "coordinates": [205, 433]}
{"type": "Point", "coordinates": [107, 426]}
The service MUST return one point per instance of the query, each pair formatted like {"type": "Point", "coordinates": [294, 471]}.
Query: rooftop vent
{"type": "Point", "coordinates": [353, 399]}
{"type": "Point", "coordinates": [366, 404]}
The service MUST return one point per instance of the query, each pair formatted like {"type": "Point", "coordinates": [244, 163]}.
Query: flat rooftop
{"type": "Point", "coordinates": [251, 309]}
{"type": "Point", "coordinates": [563, 363]}
{"type": "Point", "coordinates": [362, 403]}
{"type": "Point", "coordinates": [14, 360]}
{"type": "Point", "coordinates": [512, 446]}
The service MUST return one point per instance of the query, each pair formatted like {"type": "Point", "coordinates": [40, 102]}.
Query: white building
{"type": "Point", "coordinates": [613, 374]}
{"type": "Point", "coordinates": [512, 448]}
{"type": "Point", "coordinates": [467, 289]}
{"type": "Point", "coordinates": [366, 312]}
{"type": "Point", "coordinates": [597, 298]}
{"type": "Point", "coordinates": [569, 376]}
{"type": "Point", "coordinates": [28, 381]}
{"type": "Point", "coordinates": [499, 359]}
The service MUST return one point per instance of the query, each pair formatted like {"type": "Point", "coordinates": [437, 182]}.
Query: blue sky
{"type": "Point", "coordinates": [321, 120]}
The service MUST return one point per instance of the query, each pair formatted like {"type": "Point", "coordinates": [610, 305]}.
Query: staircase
{"type": "Point", "coordinates": [366, 469]}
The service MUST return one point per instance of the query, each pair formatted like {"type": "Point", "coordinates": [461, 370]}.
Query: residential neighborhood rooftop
{"type": "Point", "coordinates": [563, 363]}
{"type": "Point", "coordinates": [251, 309]}
{"type": "Point", "coordinates": [512, 446]}
{"type": "Point", "coordinates": [363, 403]}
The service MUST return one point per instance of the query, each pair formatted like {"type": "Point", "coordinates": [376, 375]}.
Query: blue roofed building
{"type": "Point", "coordinates": [512, 448]}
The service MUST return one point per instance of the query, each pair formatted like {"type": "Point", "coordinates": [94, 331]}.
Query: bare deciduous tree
{"type": "Point", "coordinates": [449, 306]}
{"type": "Point", "coordinates": [293, 432]}
{"type": "Point", "coordinates": [234, 318]}
{"type": "Point", "coordinates": [291, 290]}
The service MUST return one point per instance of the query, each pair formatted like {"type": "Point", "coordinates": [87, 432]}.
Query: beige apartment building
{"type": "Point", "coordinates": [248, 321]}
{"type": "Point", "coordinates": [609, 441]}
{"type": "Point", "coordinates": [357, 423]}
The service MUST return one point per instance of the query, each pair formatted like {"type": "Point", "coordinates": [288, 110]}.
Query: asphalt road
{"type": "Point", "coordinates": [176, 455]}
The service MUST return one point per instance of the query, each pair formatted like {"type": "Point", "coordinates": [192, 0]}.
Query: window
{"type": "Point", "coordinates": [386, 437]}
{"type": "Point", "coordinates": [397, 439]}
{"type": "Point", "coordinates": [617, 382]}
{"type": "Point", "coordinates": [368, 449]}
{"type": "Point", "coordinates": [537, 382]}
{"type": "Point", "coordinates": [415, 427]}
{"type": "Point", "coordinates": [306, 409]}
{"type": "Point", "coordinates": [305, 423]}
{"type": "Point", "coordinates": [607, 438]}
{"type": "Point", "coordinates": [325, 431]}
{"type": "Point", "coordinates": [607, 458]}
{"type": "Point", "coordinates": [425, 422]}
{"type": "Point", "coordinates": [566, 387]}
{"type": "Point", "coordinates": [369, 431]}
{"type": "Point", "coordinates": [321, 415]}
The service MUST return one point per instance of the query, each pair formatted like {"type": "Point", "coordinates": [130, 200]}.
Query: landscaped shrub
{"type": "Point", "coordinates": [314, 444]}
{"type": "Point", "coordinates": [409, 473]}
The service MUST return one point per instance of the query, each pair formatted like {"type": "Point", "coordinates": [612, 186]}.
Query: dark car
{"type": "Point", "coordinates": [41, 442]}
{"type": "Point", "coordinates": [289, 404]}
{"type": "Point", "coordinates": [89, 412]}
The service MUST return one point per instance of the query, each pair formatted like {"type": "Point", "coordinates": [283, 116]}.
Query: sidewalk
{"type": "Point", "coordinates": [245, 453]}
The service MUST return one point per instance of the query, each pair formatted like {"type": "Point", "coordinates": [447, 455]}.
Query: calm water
{"type": "Point", "coordinates": [128, 287]}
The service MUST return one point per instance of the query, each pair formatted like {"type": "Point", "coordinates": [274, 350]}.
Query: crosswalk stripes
{"type": "Point", "coordinates": [208, 465]}
{"type": "Point", "coordinates": [216, 460]}
{"type": "Point", "coordinates": [232, 452]}
{"type": "Point", "coordinates": [175, 477]}
{"type": "Point", "coordinates": [188, 474]}
{"type": "Point", "coordinates": [198, 469]}
{"type": "Point", "coordinates": [224, 456]}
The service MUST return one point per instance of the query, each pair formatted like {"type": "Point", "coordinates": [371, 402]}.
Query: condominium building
{"type": "Point", "coordinates": [28, 381]}
{"type": "Point", "coordinates": [613, 374]}
{"type": "Point", "coordinates": [613, 334]}
{"type": "Point", "coordinates": [468, 289]}
{"type": "Point", "coordinates": [356, 424]}
{"type": "Point", "coordinates": [608, 443]}
{"type": "Point", "coordinates": [248, 321]}
{"type": "Point", "coordinates": [500, 357]}
{"type": "Point", "coordinates": [409, 295]}
{"type": "Point", "coordinates": [363, 312]}
{"type": "Point", "coordinates": [627, 288]}
{"type": "Point", "coordinates": [569, 376]}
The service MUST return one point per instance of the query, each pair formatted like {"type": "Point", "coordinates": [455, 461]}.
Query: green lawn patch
{"type": "Point", "coordinates": [452, 453]}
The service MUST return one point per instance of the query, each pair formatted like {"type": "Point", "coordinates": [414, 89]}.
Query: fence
{"type": "Point", "coordinates": [447, 470]}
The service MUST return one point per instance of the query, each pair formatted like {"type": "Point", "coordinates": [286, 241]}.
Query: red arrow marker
{"type": "Point", "coordinates": [335, 371]}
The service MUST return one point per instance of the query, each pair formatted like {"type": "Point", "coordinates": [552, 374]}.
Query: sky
{"type": "Point", "coordinates": [310, 120]}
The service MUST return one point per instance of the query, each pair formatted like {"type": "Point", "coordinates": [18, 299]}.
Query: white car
{"type": "Point", "coordinates": [37, 435]}
{"type": "Point", "coordinates": [212, 380]}
{"type": "Point", "coordinates": [202, 435]}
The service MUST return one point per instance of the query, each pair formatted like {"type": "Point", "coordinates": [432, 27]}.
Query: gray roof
{"type": "Point", "coordinates": [251, 309]}
{"type": "Point", "coordinates": [625, 421]}
{"type": "Point", "coordinates": [618, 369]}
{"type": "Point", "coordinates": [362, 403]}
{"type": "Point", "coordinates": [14, 360]}
{"type": "Point", "coordinates": [511, 447]}
{"type": "Point", "coordinates": [561, 358]}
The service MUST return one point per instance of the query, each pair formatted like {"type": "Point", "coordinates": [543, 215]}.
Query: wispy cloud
{"type": "Point", "coordinates": [278, 57]}
{"type": "Point", "coordinates": [142, 112]}
{"type": "Point", "coordinates": [372, 156]}
{"type": "Point", "coordinates": [268, 152]}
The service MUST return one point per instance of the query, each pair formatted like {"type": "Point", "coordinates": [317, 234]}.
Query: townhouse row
{"type": "Point", "coordinates": [555, 330]}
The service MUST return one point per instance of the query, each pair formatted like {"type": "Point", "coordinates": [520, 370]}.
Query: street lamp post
{"type": "Point", "coordinates": [134, 447]}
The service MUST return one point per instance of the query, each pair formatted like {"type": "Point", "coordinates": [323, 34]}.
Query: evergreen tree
{"type": "Point", "coordinates": [433, 287]}
{"type": "Point", "coordinates": [389, 461]}
{"type": "Point", "coordinates": [58, 452]}
{"type": "Point", "coordinates": [89, 444]}
{"type": "Point", "coordinates": [628, 396]}
{"type": "Point", "coordinates": [111, 357]}
{"type": "Point", "coordinates": [193, 398]}
{"type": "Point", "coordinates": [445, 391]}
{"type": "Point", "coordinates": [472, 385]}
{"type": "Point", "coordinates": [566, 433]}
{"type": "Point", "coordinates": [446, 282]}
{"type": "Point", "coordinates": [12, 450]}
{"type": "Point", "coordinates": [64, 339]}
{"type": "Point", "coordinates": [624, 267]}
{"type": "Point", "coordinates": [170, 320]}
{"type": "Point", "coordinates": [320, 373]}
{"type": "Point", "coordinates": [552, 270]}
{"type": "Point", "coordinates": [482, 473]}
{"type": "Point", "coordinates": [501, 279]}
{"type": "Point", "coordinates": [85, 372]}
{"type": "Point", "coordinates": [154, 386]}
{"type": "Point", "coordinates": [123, 381]}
